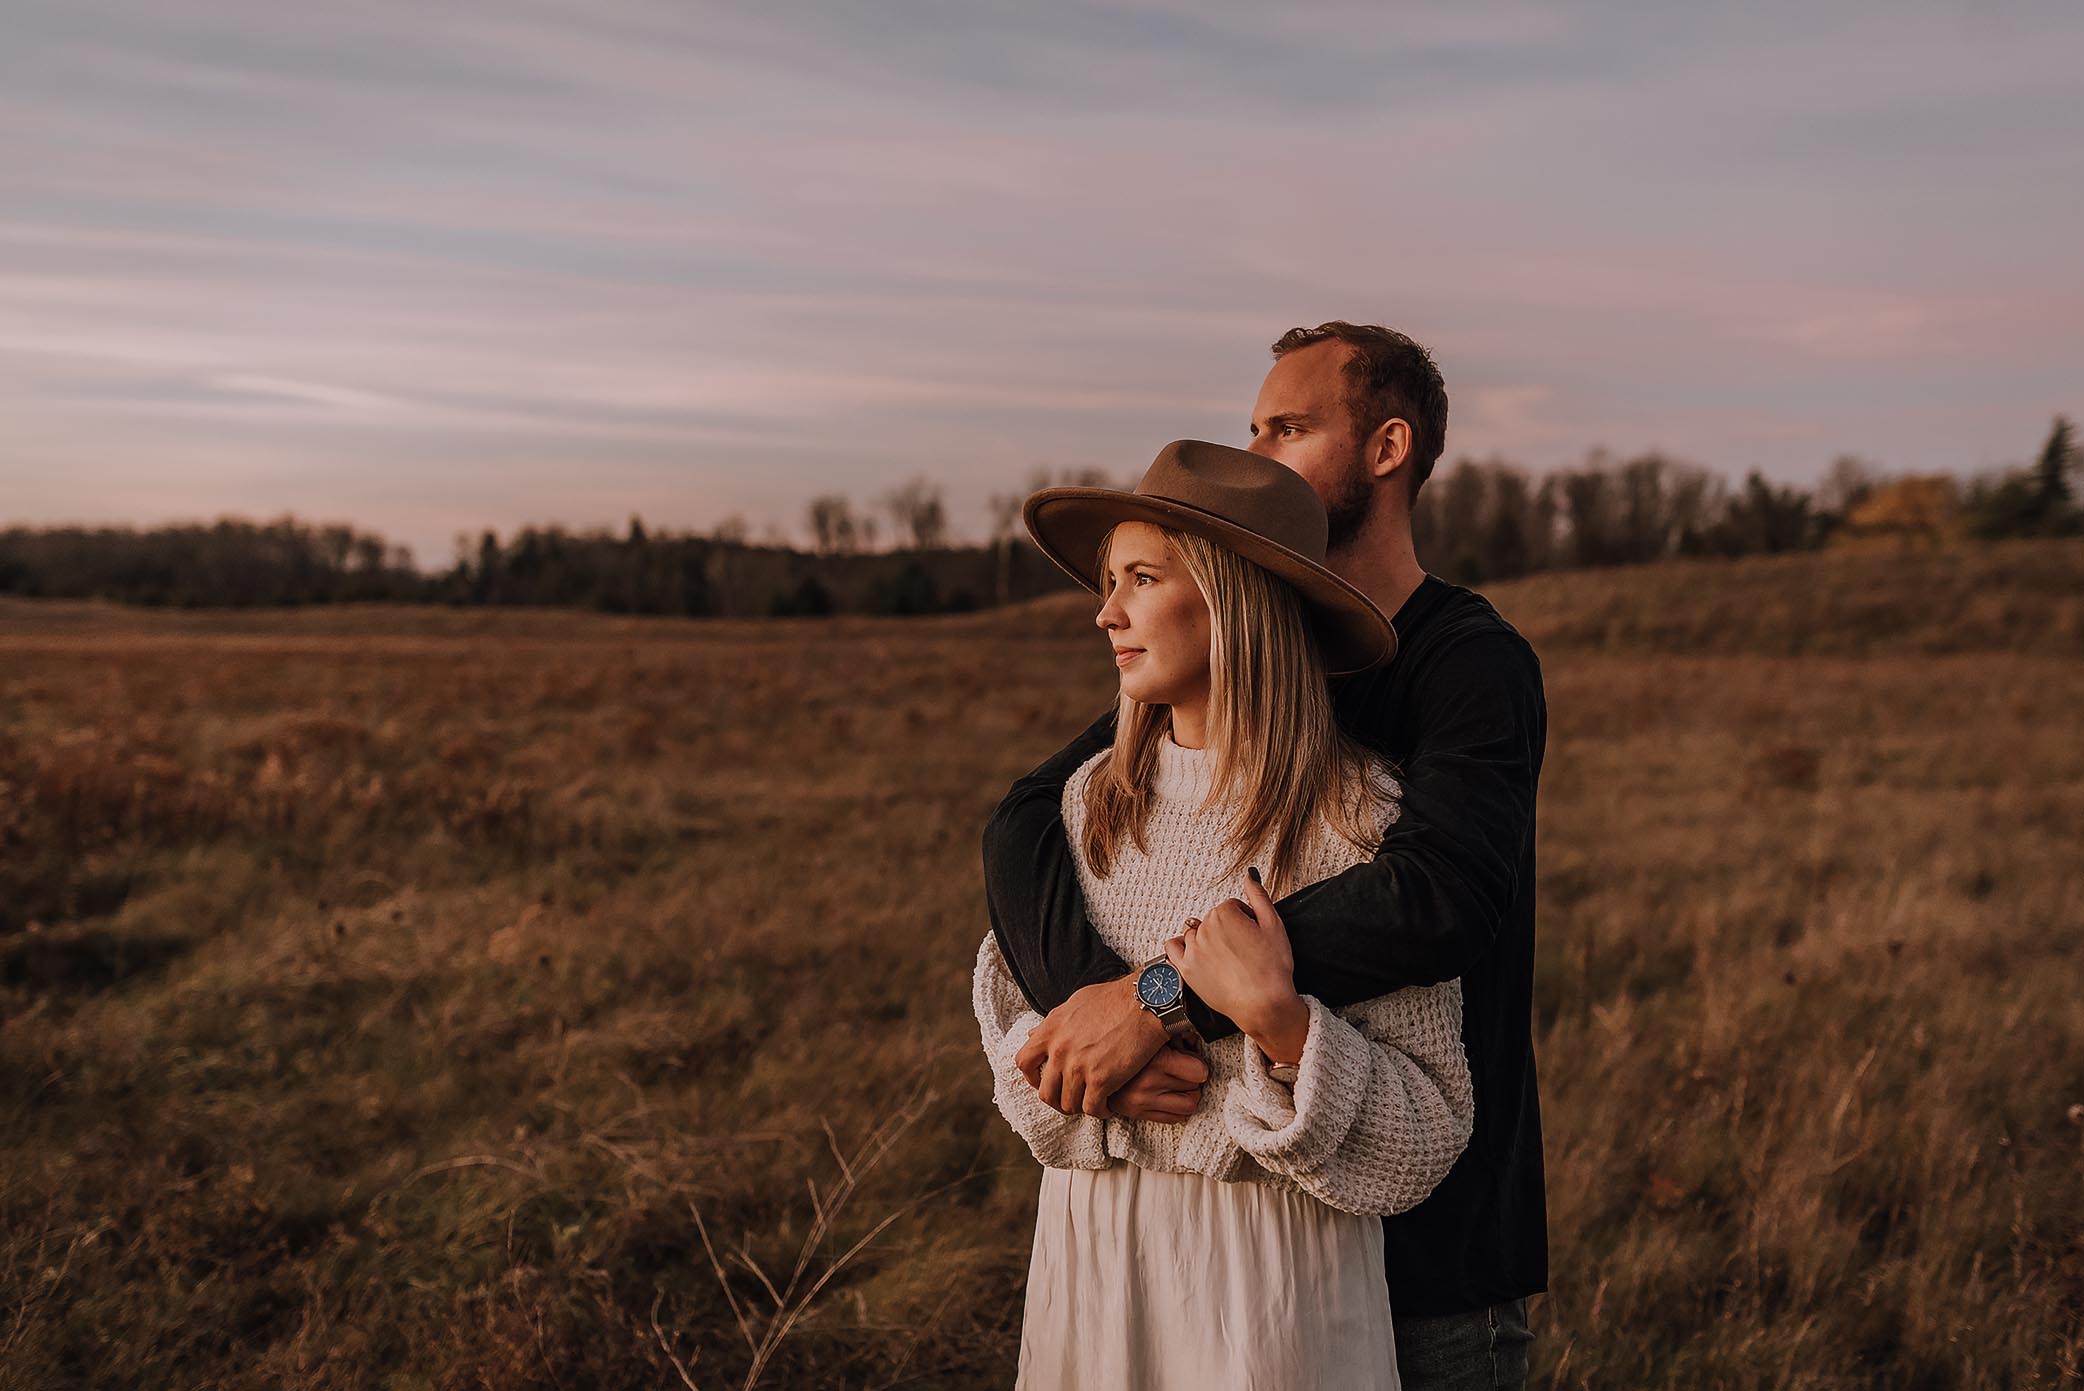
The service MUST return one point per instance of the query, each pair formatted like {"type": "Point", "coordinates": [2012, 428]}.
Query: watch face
{"type": "Point", "coordinates": [1159, 985]}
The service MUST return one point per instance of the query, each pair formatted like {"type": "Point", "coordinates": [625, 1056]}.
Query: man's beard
{"type": "Point", "coordinates": [1346, 510]}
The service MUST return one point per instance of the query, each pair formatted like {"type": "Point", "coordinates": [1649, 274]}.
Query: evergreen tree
{"type": "Point", "coordinates": [2051, 471]}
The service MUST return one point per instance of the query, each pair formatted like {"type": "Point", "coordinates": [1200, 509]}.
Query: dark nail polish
{"type": "Point", "coordinates": [1254, 872]}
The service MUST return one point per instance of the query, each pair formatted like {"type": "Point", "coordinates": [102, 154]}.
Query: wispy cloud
{"type": "Point", "coordinates": [433, 268]}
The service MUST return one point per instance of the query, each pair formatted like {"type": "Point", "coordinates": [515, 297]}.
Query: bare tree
{"type": "Point", "coordinates": [1460, 516]}
{"type": "Point", "coordinates": [1078, 477]}
{"type": "Point", "coordinates": [1846, 484]}
{"type": "Point", "coordinates": [1508, 547]}
{"type": "Point", "coordinates": [1588, 510]}
{"type": "Point", "coordinates": [916, 511]}
{"type": "Point", "coordinates": [336, 543]}
{"type": "Point", "coordinates": [1643, 521]}
{"type": "Point", "coordinates": [1004, 509]}
{"type": "Point", "coordinates": [832, 526]}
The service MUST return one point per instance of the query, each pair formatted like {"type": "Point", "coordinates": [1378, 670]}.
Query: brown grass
{"type": "Point", "coordinates": [395, 997]}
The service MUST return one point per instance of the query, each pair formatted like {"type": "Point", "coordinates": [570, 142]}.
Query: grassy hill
{"type": "Point", "coordinates": [2011, 596]}
{"type": "Point", "coordinates": [445, 998]}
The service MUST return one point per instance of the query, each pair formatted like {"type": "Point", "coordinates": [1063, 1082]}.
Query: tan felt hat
{"type": "Point", "coordinates": [1256, 506]}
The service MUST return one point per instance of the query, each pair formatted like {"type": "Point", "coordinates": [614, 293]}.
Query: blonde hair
{"type": "Point", "coordinates": [1281, 760]}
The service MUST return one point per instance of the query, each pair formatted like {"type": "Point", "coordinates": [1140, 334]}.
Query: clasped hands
{"type": "Point", "coordinates": [1100, 1053]}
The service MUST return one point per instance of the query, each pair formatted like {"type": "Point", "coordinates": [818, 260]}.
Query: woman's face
{"type": "Point", "coordinates": [1155, 617]}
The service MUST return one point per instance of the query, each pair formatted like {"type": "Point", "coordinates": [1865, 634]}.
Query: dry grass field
{"type": "Point", "coordinates": [423, 998]}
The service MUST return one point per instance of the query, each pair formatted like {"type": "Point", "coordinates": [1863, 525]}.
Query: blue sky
{"type": "Point", "coordinates": [432, 268]}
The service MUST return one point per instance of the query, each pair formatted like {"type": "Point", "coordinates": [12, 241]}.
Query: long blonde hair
{"type": "Point", "coordinates": [1281, 759]}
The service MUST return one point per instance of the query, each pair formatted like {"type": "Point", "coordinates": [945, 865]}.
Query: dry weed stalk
{"type": "Point", "coordinates": [765, 1331]}
{"type": "Point", "coordinates": [48, 1277]}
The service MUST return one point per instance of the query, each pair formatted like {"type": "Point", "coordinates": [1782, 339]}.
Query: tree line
{"type": "Point", "coordinates": [226, 563]}
{"type": "Point", "coordinates": [1491, 520]}
{"type": "Point", "coordinates": [1475, 521]}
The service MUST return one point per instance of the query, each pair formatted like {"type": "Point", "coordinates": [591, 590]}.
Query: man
{"type": "Point", "coordinates": [1361, 412]}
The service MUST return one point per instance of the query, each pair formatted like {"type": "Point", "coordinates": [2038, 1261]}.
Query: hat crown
{"type": "Point", "coordinates": [1258, 507]}
{"type": "Point", "coordinates": [1249, 490]}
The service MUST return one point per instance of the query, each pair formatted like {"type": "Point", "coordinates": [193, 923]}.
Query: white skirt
{"type": "Point", "coordinates": [1147, 1281]}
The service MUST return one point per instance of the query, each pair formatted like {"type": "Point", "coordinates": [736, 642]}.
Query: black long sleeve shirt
{"type": "Point", "coordinates": [1460, 711]}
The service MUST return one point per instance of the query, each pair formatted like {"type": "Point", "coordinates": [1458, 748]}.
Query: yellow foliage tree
{"type": "Point", "coordinates": [1920, 510]}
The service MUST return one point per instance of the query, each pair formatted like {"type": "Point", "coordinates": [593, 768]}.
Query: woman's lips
{"type": "Point", "coordinates": [1125, 655]}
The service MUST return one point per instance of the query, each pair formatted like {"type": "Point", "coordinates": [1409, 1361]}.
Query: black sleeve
{"type": "Point", "coordinates": [1031, 883]}
{"type": "Point", "coordinates": [1429, 904]}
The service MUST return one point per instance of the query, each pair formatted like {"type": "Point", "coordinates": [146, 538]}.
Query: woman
{"type": "Point", "coordinates": [1239, 1246]}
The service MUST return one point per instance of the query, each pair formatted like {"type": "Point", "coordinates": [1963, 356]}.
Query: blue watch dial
{"type": "Point", "coordinates": [1159, 985]}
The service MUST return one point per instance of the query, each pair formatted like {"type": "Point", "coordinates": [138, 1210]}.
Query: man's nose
{"type": "Point", "coordinates": [1262, 444]}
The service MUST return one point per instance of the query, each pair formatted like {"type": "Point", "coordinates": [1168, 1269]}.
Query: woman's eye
{"type": "Point", "coordinates": [1152, 578]}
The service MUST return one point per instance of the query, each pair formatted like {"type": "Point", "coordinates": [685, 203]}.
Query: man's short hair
{"type": "Point", "coordinates": [1388, 376]}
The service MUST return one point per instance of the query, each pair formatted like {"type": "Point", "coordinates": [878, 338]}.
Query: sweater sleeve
{"type": "Point", "coordinates": [1004, 1021]}
{"type": "Point", "coordinates": [1382, 1104]}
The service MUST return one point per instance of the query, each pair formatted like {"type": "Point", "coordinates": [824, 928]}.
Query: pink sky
{"type": "Point", "coordinates": [429, 269]}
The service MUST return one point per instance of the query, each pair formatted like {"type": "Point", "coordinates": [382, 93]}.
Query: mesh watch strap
{"type": "Point", "coordinates": [1173, 1016]}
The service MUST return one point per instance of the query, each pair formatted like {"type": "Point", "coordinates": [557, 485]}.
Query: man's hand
{"type": "Point", "coordinates": [1089, 1046]}
{"type": "Point", "coordinates": [1168, 1090]}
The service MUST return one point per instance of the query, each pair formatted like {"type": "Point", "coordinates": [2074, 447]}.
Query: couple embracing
{"type": "Point", "coordinates": [1258, 990]}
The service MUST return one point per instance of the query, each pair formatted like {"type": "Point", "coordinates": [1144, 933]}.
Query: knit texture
{"type": "Point", "coordinates": [1382, 1103]}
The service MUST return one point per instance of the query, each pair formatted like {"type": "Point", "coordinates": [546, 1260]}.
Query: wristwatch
{"type": "Point", "coordinates": [1160, 990]}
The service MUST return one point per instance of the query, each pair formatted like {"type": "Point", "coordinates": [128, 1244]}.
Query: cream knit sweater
{"type": "Point", "coordinates": [1382, 1102]}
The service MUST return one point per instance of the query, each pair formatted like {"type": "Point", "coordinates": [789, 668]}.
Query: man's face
{"type": "Point", "coordinates": [1301, 419]}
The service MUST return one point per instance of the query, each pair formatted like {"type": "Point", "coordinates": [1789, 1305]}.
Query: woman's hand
{"type": "Point", "coordinates": [1237, 959]}
{"type": "Point", "coordinates": [1167, 1091]}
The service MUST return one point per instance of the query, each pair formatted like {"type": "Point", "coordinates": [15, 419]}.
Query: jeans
{"type": "Point", "coordinates": [1482, 1350]}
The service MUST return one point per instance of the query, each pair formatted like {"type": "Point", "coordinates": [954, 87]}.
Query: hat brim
{"type": "Point", "coordinates": [1067, 524]}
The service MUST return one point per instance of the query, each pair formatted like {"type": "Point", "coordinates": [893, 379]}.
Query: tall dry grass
{"type": "Point", "coordinates": [457, 1000]}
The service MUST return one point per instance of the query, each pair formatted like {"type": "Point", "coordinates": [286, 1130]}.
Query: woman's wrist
{"type": "Point", "coordinates": [1281, 1033]}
